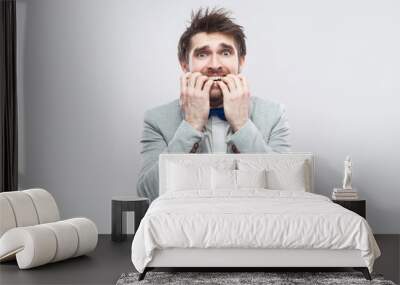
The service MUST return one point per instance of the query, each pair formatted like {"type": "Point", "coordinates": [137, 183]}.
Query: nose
{"type": "Point", "coordinates": [214, 67]}
{"type": "Point", "coordinates": [214, 62]}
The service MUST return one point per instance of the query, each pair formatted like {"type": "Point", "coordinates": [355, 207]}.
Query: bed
{"type": "Point", "coordinates": [244, 211]}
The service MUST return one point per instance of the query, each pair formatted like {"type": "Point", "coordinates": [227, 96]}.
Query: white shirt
{"type": "Point", "coordinates": [215, 134]}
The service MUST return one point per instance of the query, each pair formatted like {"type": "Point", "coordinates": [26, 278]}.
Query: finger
{"type": "Point", "coordinates": [187, 76]}
{"type": "Point", "coordinates": [245, 85]}
{"type": "Point", "coordinates": [238, 83]}
{"type": "Point", "coordinates": [207, 86]}
{"type": "Point", "coordinates": [224, 88]}
{"type": "Point", "coordinates": [200, 82]}
{"type": "Point", "coordinates": [230, 83]}
{"type": "Point", "coordinates": [232, 77]}
{"type": "Point", "coordinates": [192, 79]}
{"type": "Point", "coordinates": [183, 80]}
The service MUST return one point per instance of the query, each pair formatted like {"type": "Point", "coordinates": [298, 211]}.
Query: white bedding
{"type": "Point", "coordinates": [250, 218]}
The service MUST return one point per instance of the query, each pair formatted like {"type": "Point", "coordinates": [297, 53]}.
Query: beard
{"type": "Point", "coordinates": [216, 96]}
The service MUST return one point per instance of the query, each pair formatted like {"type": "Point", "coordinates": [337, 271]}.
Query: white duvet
{"type": "Point", "coordinates": [251, 218]}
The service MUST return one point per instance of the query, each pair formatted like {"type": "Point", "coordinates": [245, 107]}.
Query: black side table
{"type": "Point", "coordinates": [357, 206]}
{"type": "Point", "coordinates": [122, 204]}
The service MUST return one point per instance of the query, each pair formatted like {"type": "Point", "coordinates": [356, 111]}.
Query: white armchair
{"type": "Point", "coordinates": [32, 233]}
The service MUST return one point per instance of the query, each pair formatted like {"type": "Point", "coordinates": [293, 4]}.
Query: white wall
{"type": "Point", "coordinates": [89, 69]}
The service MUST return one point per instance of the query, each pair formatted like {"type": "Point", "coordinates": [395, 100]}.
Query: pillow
{"type": "Point", "coordinates": [282, 174]}
{"type": "Point", "coordinates": [251, 178]}
{"type": "Point", "coordinates": [223, 178]}
{"type": "Point", "coordinates": [181, 177]}
{"type": "Point", "coordinates": [236, 179]}
{"type": "Point", "coordinates": [287, 179]}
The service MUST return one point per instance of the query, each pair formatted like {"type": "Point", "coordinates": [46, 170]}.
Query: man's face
{"type": "Point", "coordinates": [213, 55]}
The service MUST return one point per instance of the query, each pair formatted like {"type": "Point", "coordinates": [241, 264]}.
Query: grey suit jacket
{"type": "Point", "coordinates": [166, 131]}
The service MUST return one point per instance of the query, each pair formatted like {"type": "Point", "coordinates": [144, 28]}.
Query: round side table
{"type": "Point", "coordinates": [120, 204]}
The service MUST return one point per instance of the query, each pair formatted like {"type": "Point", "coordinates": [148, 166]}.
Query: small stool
{"type": "Point", "coordinates": [120, 204]}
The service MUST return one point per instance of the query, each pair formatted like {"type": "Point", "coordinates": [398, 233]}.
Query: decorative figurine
{"type": "Point", "coordinates": [347, 174]}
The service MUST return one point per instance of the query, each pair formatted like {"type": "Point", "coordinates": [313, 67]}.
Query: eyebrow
{"type": "Point", "coordinates": [199, 49]}
{"type": "Point", "coordinates": [207, 47]}
{"type": "Point", "coordinates": [226, 46]}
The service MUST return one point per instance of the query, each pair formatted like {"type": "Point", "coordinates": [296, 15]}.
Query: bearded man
{"type": "Point", "coordinates": [215, 112]}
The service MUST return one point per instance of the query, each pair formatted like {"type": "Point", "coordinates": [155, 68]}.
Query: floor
{"type": "Point", "coordinates": [102, 266]}
{"type": "Point", "coordinates": [111, 259]}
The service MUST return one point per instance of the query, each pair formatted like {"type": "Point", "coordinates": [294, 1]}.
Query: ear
{"type": "Point", "coordinates": [241, 63]}
{"type": "Point", "coordinates": [184, 66]}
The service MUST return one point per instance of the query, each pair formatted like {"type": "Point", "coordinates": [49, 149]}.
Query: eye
{"type": "Point", "coordinates": [201, 55]}
{"type": "Point", "coordinates": [226, 52]}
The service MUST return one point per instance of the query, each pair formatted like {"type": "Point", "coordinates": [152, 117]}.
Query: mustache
{"type": "Point", "coordinates": [216, 74]}
{"type": "Point", "coordinates": [219, 72]}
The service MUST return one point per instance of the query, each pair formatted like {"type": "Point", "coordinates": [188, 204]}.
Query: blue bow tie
{"type": "Point", "coordinates": [219, 112]}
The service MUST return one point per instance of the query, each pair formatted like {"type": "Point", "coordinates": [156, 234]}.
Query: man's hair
{"type": "Point", "coordinates": [216, 20]}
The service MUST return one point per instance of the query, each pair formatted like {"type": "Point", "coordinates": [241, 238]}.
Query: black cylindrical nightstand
{"type": "Point", "coordinates": [122, 204]}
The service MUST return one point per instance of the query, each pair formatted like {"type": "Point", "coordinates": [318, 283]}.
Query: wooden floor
{"type": "Point", "coordinates": [111, 259]}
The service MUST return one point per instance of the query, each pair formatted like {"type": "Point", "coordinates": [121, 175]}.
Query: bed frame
{"type": "Point", "coordinates": [262, 259]}
{"type": "Point", "coordinates": [248, 259]}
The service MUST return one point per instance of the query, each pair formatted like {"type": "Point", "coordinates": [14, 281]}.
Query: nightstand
{"type": "Point", "coordinates": [121, 204]}
{"type": "Point", "coordinates": [357, 206]}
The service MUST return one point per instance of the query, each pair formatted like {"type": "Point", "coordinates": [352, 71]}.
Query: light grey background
{"type": "Point", "coordinates": [89, 69]}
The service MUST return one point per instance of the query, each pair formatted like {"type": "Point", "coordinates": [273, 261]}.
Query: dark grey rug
{"type": "Point", "coordinates": [269, 278]}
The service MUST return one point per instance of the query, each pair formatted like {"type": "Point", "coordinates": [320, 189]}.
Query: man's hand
{"type": "Point", "coordinates": [194, 99]}
{"type": "Point", "coordinates": [236, 100]}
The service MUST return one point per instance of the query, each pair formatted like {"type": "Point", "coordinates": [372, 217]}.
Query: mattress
{"type": "Point", "coordinates": [252, 219]}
